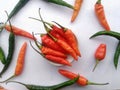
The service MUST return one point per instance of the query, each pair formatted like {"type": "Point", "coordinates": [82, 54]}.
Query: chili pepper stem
{"type": "Point", "coordinates": [7, 79]}
{"type": "Point", "coordinates": [98, 2]}
{"type": "Point", "coordinates": [93, 83]}
{"type": "Point", "coordinates": [97, 61]}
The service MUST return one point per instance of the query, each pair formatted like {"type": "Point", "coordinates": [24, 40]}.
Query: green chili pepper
{"type": "Point", "coordinates": [54, 87]}
{"type": "Point", "coordinates": [10, 50]}
{"type": "Point", "coordinates": [108, 33]}
{"type": "Point", "coordinates": [116, 55]}
{"type": "Point", "coordinates": [61, 2]}
{"type": "Point", "coordinates": [2, 56]}
{"type": "Point", "coordinates": [18, 6]}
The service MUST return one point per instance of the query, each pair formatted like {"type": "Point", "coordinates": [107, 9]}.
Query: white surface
{"type": "Point", "coordinates": [37, 70]}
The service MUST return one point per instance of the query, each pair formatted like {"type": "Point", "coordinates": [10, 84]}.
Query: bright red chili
{"type": "Point", "coordinates": [47, 41]}
{"type": "Point", "coordinates": [100, 54]}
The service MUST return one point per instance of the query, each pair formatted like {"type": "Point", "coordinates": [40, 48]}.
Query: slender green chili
{"type": "Point", "coordinates": [16, 9]}
{"type": "Point", "coordinates": [61, 2]}
{"type": "Point", "coordinates": [10, 50]}
{"type": "Point", "coordinates": [108, 33]}
{"type": "Point", "coordinates": [54, 87]}
{"type": "Point", "coordinates": [2, 56]}
{"type": "Point", "coordinates": [116, 55]}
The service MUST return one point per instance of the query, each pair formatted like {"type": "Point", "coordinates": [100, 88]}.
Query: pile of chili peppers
{"type": "Point", "coordinates": [57, 44]}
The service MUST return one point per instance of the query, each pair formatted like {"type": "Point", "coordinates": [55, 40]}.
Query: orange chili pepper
{"type": "Point", "coordinates": [70, 38]}
{"type": "Point", "coordinates": [77, 6]}
{"type": "Point", "coordinates": [20, 62]}
{"type": "Point", "coordinates": [100, 13]}
{"type": "Point", "coordinates": [18, 31]}
{"type": "Point", "coordinates": [100, 54]}
{"type": "Point", "coordinates": [82, 81]}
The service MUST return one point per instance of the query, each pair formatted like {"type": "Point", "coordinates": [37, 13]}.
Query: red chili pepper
{"type": "Point", "coordinates": [18, 31]}
{"type": "Point", "coordinates": [58, 60]}
{"type": "Point", "coordinates": [82, 81]}
{"type": "Point", "coordinates": [67, 48]}
{"type": "Point", "coordinates": [20, 62]}
{"type": "Point", "coordinates": [100, 54]}
{"type": "Point", "coordinates": [49, 51]}
{"type": "Point", "coordinates": [100, 13]}
{"type": "Point", "coordinates": [55, 59]}
{"type": "Point", "coordinates": [70, 38]}
{"type": "Point", "coordinates": [47, 41]}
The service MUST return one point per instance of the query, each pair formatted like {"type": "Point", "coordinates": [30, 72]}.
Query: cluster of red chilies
{"type": "Point", "coordinates": [58, 43]}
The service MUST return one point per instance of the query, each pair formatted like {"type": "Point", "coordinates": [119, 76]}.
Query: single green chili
{"type": "Point", "coordinates": [116, 55]}
{"type": "Point", "coordinates": [2, 56]}
{"type": "Point", "coordinates": [61, 2]}
{"type": "Point", "coordinates": [53, 87]}
{"type": "Point", "coordinates": [10, 50]}
{"type": "Point", "coordinates": [18, 6]}
{"type": "Point", "coordinates": [108, 33]}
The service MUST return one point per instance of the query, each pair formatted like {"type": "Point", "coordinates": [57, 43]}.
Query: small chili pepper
{"type": "Point", "coordinates": [53, 87]}
{"type": "Point", "coordinates": [47, 41]}
{"type": "Point", "coordinates": [70, 38]}
{"type": "Point", "coordinates": [108, 33]}
{"type": "Point", "coordinates": [10, 51]}
{"type": "Point", "coordinates": [100, 13]}
{"type": "Point", "coordinates": [77, 6]}
{"type": "Point", "coordinates": [18, 6]}
{"type": "Point", "coordinates": [61, 2]}
{"type": "Point", "coordinates": [18, 31]}
{"type": "Point", "coordinates": [55, 59]}
{"type": "Point", "coordinates": [2, 56]}
{"type": "Point", "coordinates": [82, 81]}
{"type": "Point", "coordinates": [116, 55]}
{"type": "Point", "coordinates": [20, 62]}
{"type": "Point", "coordinates": [100, 54]}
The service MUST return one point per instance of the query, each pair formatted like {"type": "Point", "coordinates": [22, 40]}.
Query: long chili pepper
{"type": "Point", "coordinates": [61, 2]}
{"type": "Point", "coordinates": [53, 87]}
{"type": "Point", "coordinates": [2, 56]}
{"type": "Point", "coordinates": [60, 42]}
{"type": "Point", "coordinates": [2, 88]}
{"type": "Point", "coordinates": [116, 55]}
{"type": "Point", "coordinates": [100, 54]}
{"type": "Point", "coordinates": [47, 41]}
{"type": "Point", "coordinates": [108, 33]}
{"type": "Point", "coordinates": [16, 9]}
{"type": "Point", "coordinates": [77, 6]}
{"type": "Point", "coordinates": [55, 59]}
{"type": "Point", "coordinates": [99, 11]}
{"type": "Point", "coordinates": [82, 81]}
{"type": "Point", "coordinates": [19, 31]}
{"type": "Point", "coordinates": [20, 62]}
{"type": "Point", "coordinates": [10, 51]}
{"type": "Point", "coordinates": [70, 38]}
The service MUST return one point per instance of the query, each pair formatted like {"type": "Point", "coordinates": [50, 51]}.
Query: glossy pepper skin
{"type": "Point", "coordinates": [47, 41]}
{"type": "Point", "coordinates": [82, 81]}
{"type": "Point", "coordinates": [53, 87]}
{"type": "Point", "coordinates": [107, 33]}
{"type": "Point", "coordinates": [61, 2]}
{"type": "Point", "coordinates": [100, 13]}
{"type": "Point", "coordinates": [116, 55]}
{"type": "Point", "coordinates": [100, 54]}
{"type": "Point", "coordinates": [2, 56]}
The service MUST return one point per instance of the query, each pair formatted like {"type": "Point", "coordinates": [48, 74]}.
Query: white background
{"type": "Point", "coordinates": [37, 70]}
